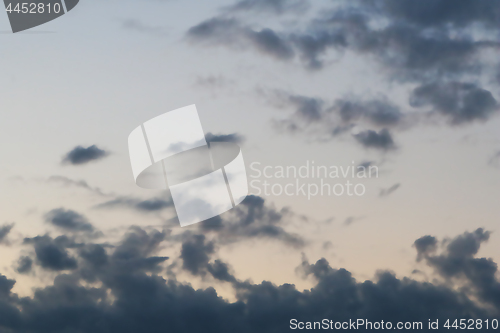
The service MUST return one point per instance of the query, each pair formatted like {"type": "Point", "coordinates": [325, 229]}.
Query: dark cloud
{"type": "Point", "coordinates": [425, 245]}
{"type": "Point", "coordinates": [459, 102]}
{"type": "Point", "coordinates": [5, 286]}
{"type": "Point", "coordinates": [252, 218]}
{"type": "Point", "coordinates": [325, 121]}
{"type": "Point", "coordinates": [234, 137]}
{"type": "Point", "coordinates": [95, 254]}
{"type": "Point", "coordinates": [458, 252]}
{"type": "Point", "coordinates": [388, 191]}
{"type": "Point", "coordinates": [408, 53]}
{"type": "Point", "coordinates": [308, 112]}
{"type": "Point", "coordinates": [68, 220]}
{"type": "Point", "coordinates": [307, 108]}
{"type": "Point", "coordinates": [195, 254]}
{"type": "Point", "coordinates": [376, 112]}
{"type": "Point", "coordinates": [269, 42]}
{"type": "Point", "coordinates": [417, 41]}
{"type": "Point", "coordinates": [221, 271]}
{"type": "Point", "coordinates": [215, 30]}
{"type": "Point", "coordinates": [133, 255]}
{"type": "Point", "coordinates": [434, 43]}
{"type": "Point", "coordinates": [135, 252]}
{"type": "Point", "coordinates": [313, 45]}
{"type": "Point", "coordinates": [270, 6]}
{"type": "Point", "coordinates": [381, 140]}
{"type": "Point", "coordinates": [427, 13]}
{"type": "Point", "coordinates": [130, 298]}
{"type": "Point", "coordinates": [81, 155]}
{"type": "Point", "coordinates": [4, 232]}
{"type": "Point", "coordinates": [229, 32]}
{"type": "Point", "coordinates": [24, 265]}
{"type": "Point", "coordinates": [281, 46]}
{"type": "Point", "coordinates": [458, 262]}
{"type": "Point", "coordinates": [144, 206]}
{"type": "Point", "coordinates": [52, 254]}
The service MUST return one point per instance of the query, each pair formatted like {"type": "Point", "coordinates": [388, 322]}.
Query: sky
{"type": "Point", "coordinates": [408, 88]}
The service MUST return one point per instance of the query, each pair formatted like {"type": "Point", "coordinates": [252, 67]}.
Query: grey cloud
{"type": "Point", "coordinates": [4, 232]}
{"type": "Point", "coordinates": [313, 45]}
{"type": "Point", "coordinates": [140, 205]}
{"type": "Point", "coordinates": [457, 252]}
{"type": "Point", "coordinates": [5, 286]}
{"type": "Point", "coordinates": [134, 253]}
{"type": "Point", "coordinates": [81, 155]}
{"type": "Point", "coordinates": [388, 191]}
{"type": "Point", "coordinates": [269, 42]}
{"type": "Point", "coordinates": [253, 218]}
{"type": "Point", "coordinates": [68, 220]}
{"type": "Point", "coordinates": [51, 253]}
{"type": "Point", "coordinates": [457, 261]}
{"type": "Point", "coordinates": [425, 245]}
{"type": "Point", "coordinates": [221, 271]}
{"type": "Point", "coordinates": [324, 121]}
{"type": "Point", "coordinates": [95, 254]}
{"type": "Point", "coordinates": [229, 32]}
{"type": "Point", "coordinates": [234, 137]}
{"type": "Point", "coordinates": [307, 108]}
{"type": "Point", "coordinates": [405, 51]}
{"type": "Point", "coordinates": [307, 111]}
{"type": "Point", "coordinates": [377, 112]}
{"type": "Point", "coordinates": [216, 30]}
{"type": "Point", "coordinates": [381, 140]}
{"type": "Point", "coordinates": [195, 254]}
{"type": "Point", "coordinates": [427, 13]}
{"type": "Point", "coordinates": [459, 102]}
{"type": "Point", "coordinates": [24, 265]}
{"type": "Point", "coordinates": [411, 46]}
{"type": "Point", "coordinates": [129, 299]}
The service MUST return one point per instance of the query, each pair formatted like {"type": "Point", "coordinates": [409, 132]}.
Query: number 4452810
{"type": "Point", "coordinates": [34, 8]}
{"type": "Point", "coordinates": [471, 324]}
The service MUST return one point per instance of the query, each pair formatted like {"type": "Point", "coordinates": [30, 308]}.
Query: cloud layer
{"type": "Point", "coordinates": [441, 46]}
{"type": "Point", "coordinates": [81, 155]}
{"type": "Point", "coordinates": [131, 296]}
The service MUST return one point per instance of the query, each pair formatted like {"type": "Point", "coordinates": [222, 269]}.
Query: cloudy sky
{"type": "Point", "coordinates": [411, 88]}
